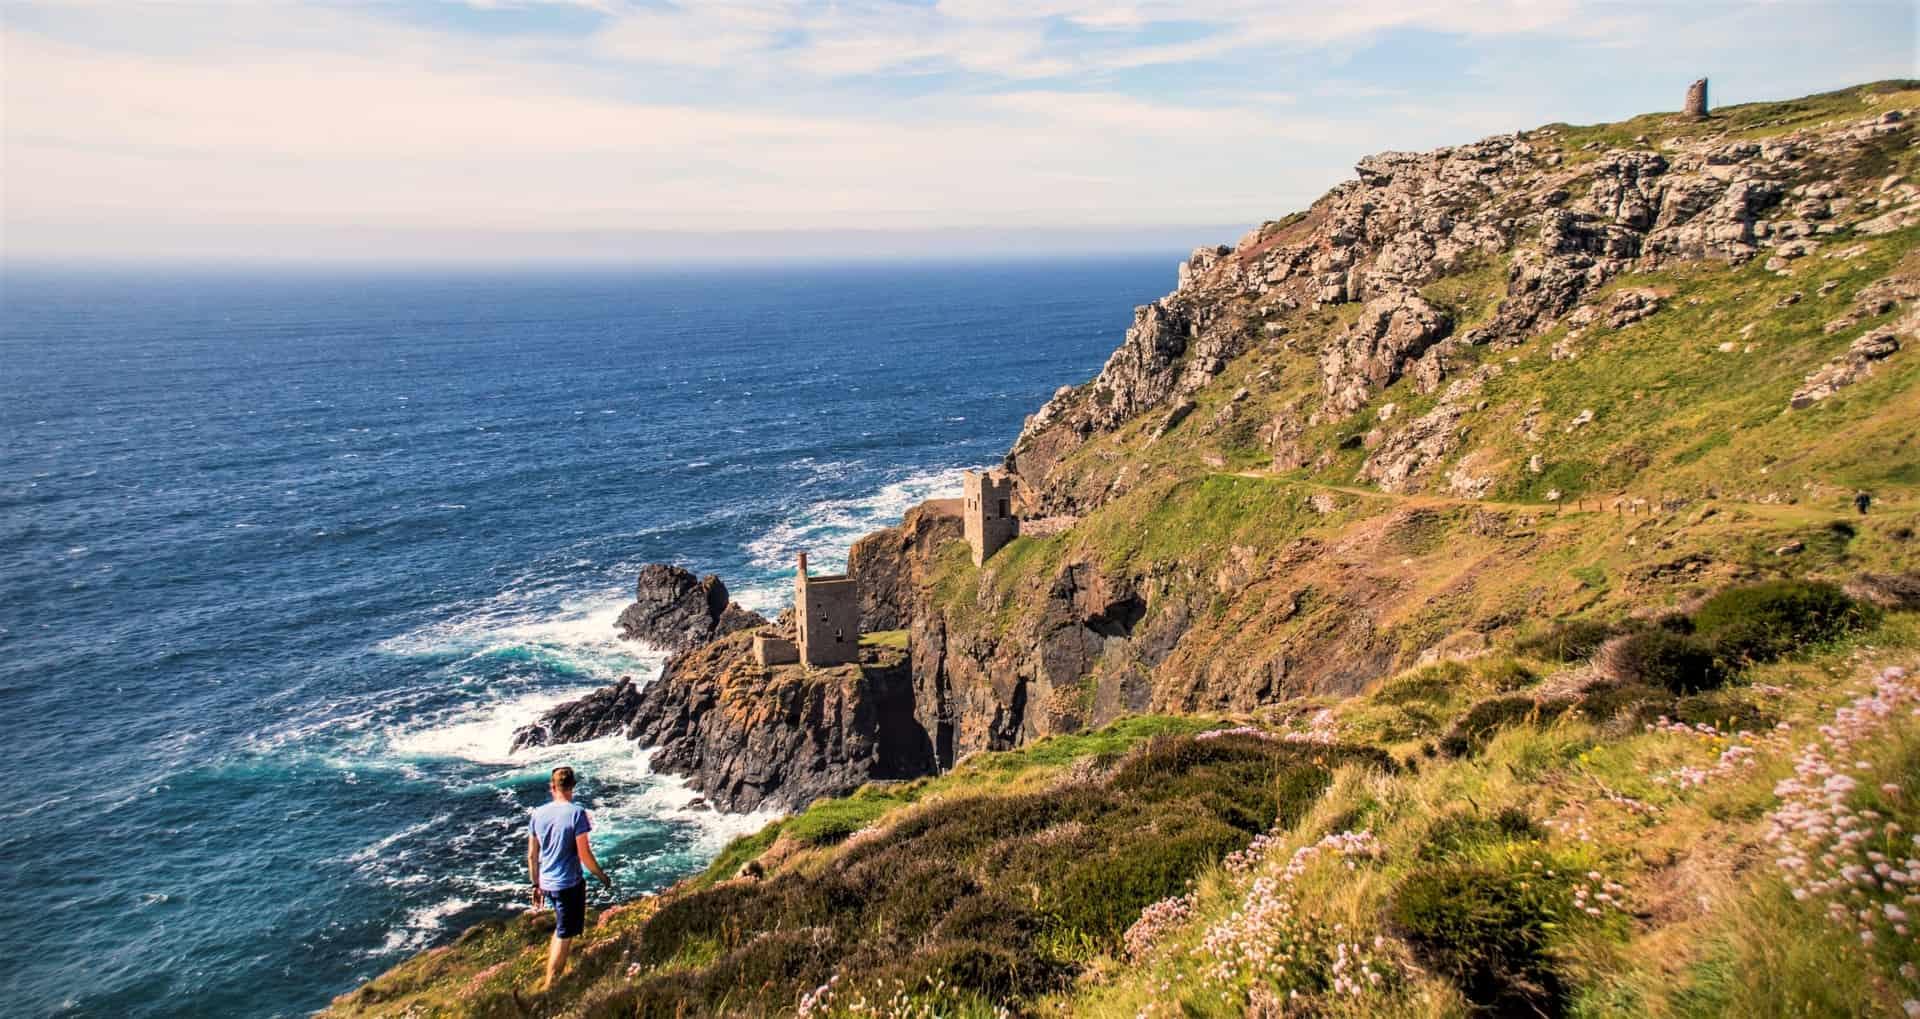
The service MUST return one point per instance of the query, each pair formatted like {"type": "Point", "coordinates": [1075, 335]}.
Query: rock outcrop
{"type": "Point", "coordinates": [604, 712]}
{"type": "Point", "coordinates": [893, 562]}
{"type": "Point", "coordinates": [1856, 364]}
{"type": "Point", "coordinates": [673, 610]}
{"type": "Point", "coordinates": [1393, 330]}
{"type": "Point", "coordinates": [1411, 218]}
{"type": "Point", "coordinates": [750, 738]}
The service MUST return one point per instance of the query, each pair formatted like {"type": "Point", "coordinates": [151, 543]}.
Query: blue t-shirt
{"type": "Point", "coordinates": [555, 824]}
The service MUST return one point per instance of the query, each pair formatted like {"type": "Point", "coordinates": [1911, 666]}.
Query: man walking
{"type": "Point", "coordinates": [556, 847]}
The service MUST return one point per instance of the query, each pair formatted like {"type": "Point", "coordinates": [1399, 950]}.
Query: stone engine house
{"type": "Point", "coordinates": [987, 512]}
{"type": "Point", "coordinates": [826, 615]}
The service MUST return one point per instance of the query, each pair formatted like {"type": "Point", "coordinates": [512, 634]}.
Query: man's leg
{"type": "Point", "coordinates": [569, 915]}
{"type": "Point", "coordinates": [556, 959]}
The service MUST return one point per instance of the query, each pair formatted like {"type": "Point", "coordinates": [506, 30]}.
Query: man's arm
{"type": "Point", "coordinates": [533, 866]}
{"type": "Point", "coordinates": [586, 857]}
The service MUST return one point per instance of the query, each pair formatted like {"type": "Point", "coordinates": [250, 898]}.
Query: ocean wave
{"type": "Point", "coordinates": [577, 636]}
{"type": "Point", "coordinates": [480, 732]}
{"type": "Point", "coordinates": [826, 529]}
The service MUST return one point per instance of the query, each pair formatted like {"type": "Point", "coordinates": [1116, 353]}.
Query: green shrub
{"type": "Point", "coordinates": [1431, 684]}
{"type": "Point", "coordinates": [1726, 710]}
{"type": "Point", "coordinates": [1464, 831]}
{"type": "Point", "coordinates": [1505, 674]}
{"type": "Point", "coordinates": [1471, 731]}
{"type": "Point", "coordinates": [1761, 622]}
{"type": "Point", "coordinates": [989, 897]}
{"type": "Point", "coordinates": [1638, 701]}
{"type": "Point", "coordinates": [1568, 640]}
{"type": "Point", "coordinates": [1486, 928]}
{"type": "Point", "coordinates": [1681, 663]}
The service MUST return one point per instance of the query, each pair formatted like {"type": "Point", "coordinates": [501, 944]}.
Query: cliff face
{"type": "Point", "coordinates": [1560, 217]}
{"type": "Point", "coordinates": [892, 564]}
{"type": "Point", "coordinates": [1350, 440]}
{"type": "Point", "coordinates": [750, 737]}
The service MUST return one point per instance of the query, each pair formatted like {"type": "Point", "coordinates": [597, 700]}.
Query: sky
{"type": "Point", "coordinates": [527, 130]}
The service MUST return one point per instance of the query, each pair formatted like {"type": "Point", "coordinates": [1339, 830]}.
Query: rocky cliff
{"type": "Point", "coordinates": [1534, 375]}
{"type": "Point", "coordinates": [751, 737]}
{"type": "Point", "coordinates": [1528, 527]}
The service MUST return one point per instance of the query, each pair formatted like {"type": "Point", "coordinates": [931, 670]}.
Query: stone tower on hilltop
{"type": "Point", "coordinates": [826, 617]}
{"type": "Point", "coordinates": [987, 513]}
{"type": "Point", "coordinates": [1695, 107]}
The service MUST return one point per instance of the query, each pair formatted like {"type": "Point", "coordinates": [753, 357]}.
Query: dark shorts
{"type": "Point", "coordinates": [569, 910]}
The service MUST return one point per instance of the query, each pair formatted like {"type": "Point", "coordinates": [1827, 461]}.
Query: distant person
{"type": "Point", "coordinates": [1861, 501]}
{"type": "Point", "coordinates": [556, 847]}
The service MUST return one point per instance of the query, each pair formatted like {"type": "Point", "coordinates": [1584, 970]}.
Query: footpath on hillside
{"type": "Point", "coordinates": [1616, 504]}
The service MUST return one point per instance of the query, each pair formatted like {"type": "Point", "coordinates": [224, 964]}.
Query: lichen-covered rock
{"type": "Point", "coordinates": [751, 738]}
{"type": "Point", "coordinates": [748, 737]}
{"type": "Point", "coordinates": [1857, 363]}
{"type": "Point", "coordinates": [1391, 332]}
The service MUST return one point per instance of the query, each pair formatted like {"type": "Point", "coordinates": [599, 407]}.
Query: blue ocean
{"type": "Point", "coordinates": [285, 556]}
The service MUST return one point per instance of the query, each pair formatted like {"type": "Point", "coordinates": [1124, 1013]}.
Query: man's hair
{"type": "Point", "coordinates": [563, 779]}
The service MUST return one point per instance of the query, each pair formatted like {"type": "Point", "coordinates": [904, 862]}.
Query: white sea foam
{"type": "Point", "coordinates": [422, 924]}
{"type": "Point", "coordinates": [578, 634]}
{"type": "Point", "coordinates": [826, 529]}
{"type": "Point", "coordinates": [482, 732]}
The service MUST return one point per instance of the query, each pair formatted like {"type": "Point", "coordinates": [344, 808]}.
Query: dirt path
{"type": "Point", "coordinates": [1618, 504]}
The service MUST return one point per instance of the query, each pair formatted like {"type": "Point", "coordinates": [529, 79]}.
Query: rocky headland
{"type": "Point", "coordinates": [1368, 349]}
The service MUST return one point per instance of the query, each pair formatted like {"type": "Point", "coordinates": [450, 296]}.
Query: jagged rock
{"type": "Point", "coordinates": [1857, 363]}
{"type": "Point", "coordinates": [673, 610]}
{"type": "Point", "coordinates": [604, 712]}
{"type": "Point", "coordinates": [749, 738]}
{"type": "Point", "coordinates": [1398, 461]}
{"type": "Point", "coordinates": [1392, 330]}
{"type": "Point", "coordinates": [1630, 306]}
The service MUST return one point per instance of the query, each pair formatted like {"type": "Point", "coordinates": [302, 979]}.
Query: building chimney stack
{"type": "Point", "coordinates": [803, 564]}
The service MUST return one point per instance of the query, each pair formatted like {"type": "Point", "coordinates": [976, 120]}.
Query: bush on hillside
{"type": "Point", "coordinates": [1638, 702]}
{"type": "Point", "coordinates": [991, 897]}
{"type": "Point", "coordinates": [1471, 731]}
{"type": "Point", "coordinates": [1464, 831]}
{"type": "Point", "coordinates": [1681, 663]}
{"type": "Point", "coordinates": [1486, 928]}
{"type": "Point", "coordinates": [1761, 622]}
{"type": "Point", "coordinates": [1568, 640]}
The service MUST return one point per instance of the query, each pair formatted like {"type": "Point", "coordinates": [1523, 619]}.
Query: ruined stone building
{"type": "Point", "coordinates": [1695, 107]}
{"type": "Point", "coordinates": [826, 617]}
{"type": "Point", "coordinates": [773, 649]}
{"type": "Point", "coordinates": [987, 512]}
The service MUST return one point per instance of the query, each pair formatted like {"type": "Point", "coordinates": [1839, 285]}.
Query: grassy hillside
{"type": "Point", "coordinates": [1459, 837]}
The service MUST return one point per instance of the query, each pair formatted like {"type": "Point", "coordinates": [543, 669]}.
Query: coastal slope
{"type": "Point", "coordinates": [1488, 590]}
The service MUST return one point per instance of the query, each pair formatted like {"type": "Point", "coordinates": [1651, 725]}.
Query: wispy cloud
{"type": "Point", "coordinates": [856, 114]}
